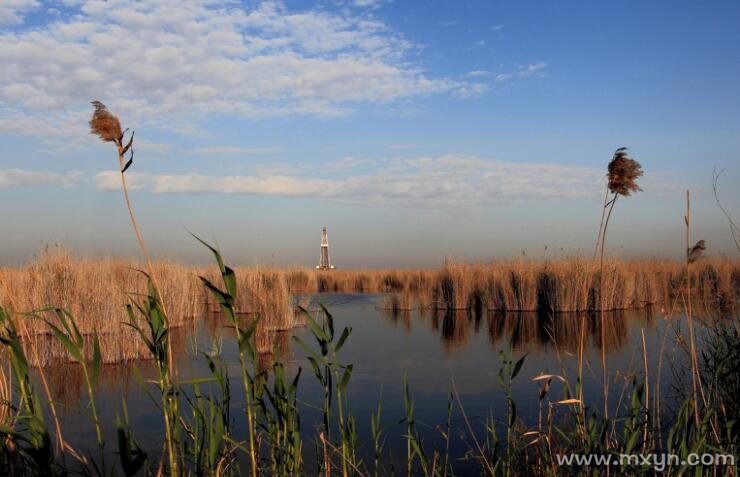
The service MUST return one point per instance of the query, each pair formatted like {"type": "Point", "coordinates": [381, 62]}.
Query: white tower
{"type": "Point", "coordinates": [324, 263]}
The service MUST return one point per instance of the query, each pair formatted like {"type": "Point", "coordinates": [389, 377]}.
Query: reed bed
{"type": "Point", "coordinates": [95, 291]}
{"type": "Point", "coordinates": [202, 443]}
{"type": "Point", "coordinates": [564, 285]}
{"type": "Point", "coordinates": [262, 292]}
{"type": "Point", "coordinates": [85, 286]}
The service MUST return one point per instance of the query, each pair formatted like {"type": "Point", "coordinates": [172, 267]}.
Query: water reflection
{"type": "Point", "coordinates": [523, 331]}
{"type": "Point", "coordinates": [431, 347]}
{"type": "Point", "coordinates": [205, 336]}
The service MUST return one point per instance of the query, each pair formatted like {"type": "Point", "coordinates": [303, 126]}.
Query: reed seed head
{"type": "Point", "coordinates": [623, 173]}
{"type": "Point", "coordinates": [104, 124]}
{"type": "Point", "coordinates": [696, 252]}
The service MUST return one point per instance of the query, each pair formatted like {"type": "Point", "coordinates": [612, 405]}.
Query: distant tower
{"type": "Point", "coordinates": [324, 263]}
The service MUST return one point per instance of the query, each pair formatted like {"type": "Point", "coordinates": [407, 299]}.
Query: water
{"type": "Point", "coordinates": [438, 353]}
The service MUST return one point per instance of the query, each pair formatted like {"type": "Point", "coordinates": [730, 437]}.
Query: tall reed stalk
{"type": "Point", "coordinates": [69, 335]}
{"type": "Point", "coordinates": [226, 299]}
{"type": "Point", "coordinates": [108, 127]}
{"type": "Point", "coordinates": [156, 335]}
{"type": "Point", "coordinates": [695, 377]}
{"type": "Point", "coordinates": [334, 378]}
{"type": "Point", "coordinates": [38, 455]}
{"type": "Point", "coordinates": [622, 175]}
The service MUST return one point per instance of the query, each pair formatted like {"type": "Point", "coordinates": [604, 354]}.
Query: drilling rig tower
{"type": "Point", "coordinates": [324, 263]}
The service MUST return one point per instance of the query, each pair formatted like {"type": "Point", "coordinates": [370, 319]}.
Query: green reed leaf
{"type": "Point", "coordinates": [96, 359]}
{"type": "Point", "coordinates": [346, 376]}
{"type": "Point", "coordinates": [518, 366]}
{"type": "Point", "coordinates": [345, 334]}
{"type": "Point", "coordinates": [65, 340]}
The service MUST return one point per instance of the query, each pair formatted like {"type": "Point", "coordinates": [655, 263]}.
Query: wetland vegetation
{"type": "Point", "coordinates": [114, 367]}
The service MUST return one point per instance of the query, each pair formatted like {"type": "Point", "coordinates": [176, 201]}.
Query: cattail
{"type": "Point", "coordinates": [104, 124]}
{"type": "Point", "coordinates": [623, 173]}
{"type": "Point", "coordinates": [696, 252]}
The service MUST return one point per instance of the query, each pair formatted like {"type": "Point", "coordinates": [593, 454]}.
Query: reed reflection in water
{"type": "Point", "coordinates": [523, 331]}
{"type": "Point", "coordinates": [432, 347]}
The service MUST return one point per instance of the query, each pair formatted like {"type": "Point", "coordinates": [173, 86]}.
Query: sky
{"type": "Point", "coordinates": [413, 130]}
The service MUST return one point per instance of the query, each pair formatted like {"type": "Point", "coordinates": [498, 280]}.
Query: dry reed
{"type": "Point", "coordinates": [95, 290]}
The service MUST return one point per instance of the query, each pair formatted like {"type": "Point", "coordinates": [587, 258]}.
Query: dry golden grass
{"type": "Point", "coordinates": [95, 290]}
{"type": "Point", "coordinates": [564, 285]}
{"type": "Point", "coordinates": [6, 391]}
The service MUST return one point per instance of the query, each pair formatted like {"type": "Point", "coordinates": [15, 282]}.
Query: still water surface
{"type": "Point", "coordinates": [437, 352]}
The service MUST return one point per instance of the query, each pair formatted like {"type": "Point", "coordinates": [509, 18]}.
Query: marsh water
{"type": "Point", "coordinates": [439, 353]}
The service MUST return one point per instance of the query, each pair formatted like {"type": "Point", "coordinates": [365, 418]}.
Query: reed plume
{"type": "Point", "coordinates": [104, 124]}
{"type": "Point", "coordinates": [108, 128]}
{"type": "Point", "coordinates": [622, 175]}
{"type": "Point", "coordinates": [696, 252]}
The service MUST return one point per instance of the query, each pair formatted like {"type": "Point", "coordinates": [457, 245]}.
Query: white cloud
{"type": "Point", "coordinates": [497, 27]}
{"type": "Point", "coordinates": [523, 72]}
{"type": "Point", "coordinates": [12, 11]}
{"type": "Point", "coordinates": [345, 163]}
{"type": "Point", "coordinates": [170, 63]}
{"type": "Point", "coordinates": [245, 151]}
{"type": "Point", "coordinates": [369, 3]}
{"type": "Point", "coordinates": [529, 70]}
{"type": "Point", "coordinates": [445, 180]}
{"type": "Point", "coordinates": [472, 90]}
{"type": "Point", "coordinates": [23, 178]}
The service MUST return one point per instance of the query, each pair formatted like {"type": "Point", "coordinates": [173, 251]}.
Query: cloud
{"type": "Point", "coordinates": [497, 27]}
{"type": "Point", "coordinates": [439, 181]}
{"type": "Point", "coordinates": [345, 163]}
{"type": "Point", "coordinates": [522, 72]}
{"type": "Point", "coordinates": [529, 70]}
{"type": "Point", "coordinates": [196, 183]}
{"type": "Point", "coordinates": [171, 63]}
{"type": "Point", "coordinates": [12, 11]}
{"type": "Point", "coordinates": [23, 178]}
{"type": "Point", "coordinates": [471, 91]}
{"type": "Point", "coordinates": [245, 151]}
{"type": "Point", "coordinates": [369, 3]}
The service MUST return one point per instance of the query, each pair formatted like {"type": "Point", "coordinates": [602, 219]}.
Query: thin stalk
{"type": "Point", "coordinates": [249, 404]}
{"type": "Point", "coordinates": [486, 464]}
{"type": "Point", "coordinates": [170, 403]}
{"type": "Point", "coordinates": [734, 230]}
{"type": "Point", "coordinates": [689, 316]}
{"type": "Point", "coordinates": [647, 389]}
{"type": "Point", "coordinates": [601, 310]}
{"type": "Point", "coordinates": [61, 444]}
{"type": "Point", "coordinates": [166, 410]}
{"type": "Point", "coordinates": [581, 344]}
{"type": "Point", "coordinates": [601, 224]}
{"type": "Point", "coordinates": [93, 409]}
{"type": "Point", "coordinates": [340, 414]}
{"type": "Point", "coordinates": [142, 245]}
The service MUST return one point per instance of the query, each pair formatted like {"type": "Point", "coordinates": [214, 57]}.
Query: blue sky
{"type": "Point", "coordinates": [413, 130]}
